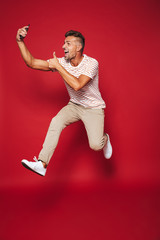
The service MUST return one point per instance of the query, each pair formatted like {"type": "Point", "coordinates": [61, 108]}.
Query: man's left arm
{"type": "Point", "coordinates": [73, 82]}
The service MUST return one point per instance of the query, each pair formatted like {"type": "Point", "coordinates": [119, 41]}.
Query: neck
{"type": "Point", "coordinates": [76, 61]}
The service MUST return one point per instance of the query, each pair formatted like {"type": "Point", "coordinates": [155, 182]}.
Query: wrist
{"type": "Point", "coordinates": [58, 66]}
{"type": "Point", "coordinates": [19, 40]}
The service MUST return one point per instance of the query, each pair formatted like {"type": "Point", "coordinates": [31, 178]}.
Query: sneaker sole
{"type": "Point", "coordinates": [27, 167]}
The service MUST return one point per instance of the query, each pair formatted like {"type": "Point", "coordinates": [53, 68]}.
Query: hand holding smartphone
{"type": "Point", "coordinates": [21, 37]}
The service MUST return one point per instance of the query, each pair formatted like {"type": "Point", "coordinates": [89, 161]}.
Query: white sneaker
{"type": "Point", "coordinates": [107, 150]}
{"type": "Point", "coordinates": [36, 166]}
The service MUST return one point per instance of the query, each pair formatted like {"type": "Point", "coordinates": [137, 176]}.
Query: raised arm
{"type": "Point", "coordinates": [26, 55]}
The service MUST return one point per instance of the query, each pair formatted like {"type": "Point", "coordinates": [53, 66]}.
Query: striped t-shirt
{"type": "Point", "coordinates": [89, 96]}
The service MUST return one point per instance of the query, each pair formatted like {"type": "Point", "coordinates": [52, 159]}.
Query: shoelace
{"type": "Point", "coordinates": [35, 159]}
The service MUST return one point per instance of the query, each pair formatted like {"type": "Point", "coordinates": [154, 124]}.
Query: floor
{"type": "Point", "coordinates": [80, 211]}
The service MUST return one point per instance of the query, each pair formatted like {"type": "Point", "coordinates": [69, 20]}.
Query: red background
{"type": "Point", "coordinates": [83, 196]}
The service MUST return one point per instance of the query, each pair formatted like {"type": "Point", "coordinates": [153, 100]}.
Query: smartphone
{"type": "Point", "coordinates": [21, 37]}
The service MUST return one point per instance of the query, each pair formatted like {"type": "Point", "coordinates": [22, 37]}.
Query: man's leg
{"type": "Point", "coordinates": [65, 117]}
{"type": "Point", "coordinates": [93, 120]}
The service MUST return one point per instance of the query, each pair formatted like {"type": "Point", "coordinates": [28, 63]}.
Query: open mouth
{"type": "Point", "coordinates": [65, 52]}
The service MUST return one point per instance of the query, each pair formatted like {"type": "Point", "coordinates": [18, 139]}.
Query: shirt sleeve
{"type": "Point", "coordinates": [91, 69]}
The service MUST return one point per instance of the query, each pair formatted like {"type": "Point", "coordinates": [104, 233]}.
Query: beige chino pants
{"type": "Point", "coordinates": [93, 120]}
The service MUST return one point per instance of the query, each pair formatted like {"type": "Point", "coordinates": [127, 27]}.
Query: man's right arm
{"type": "Point", "coordinates": [27, 56]}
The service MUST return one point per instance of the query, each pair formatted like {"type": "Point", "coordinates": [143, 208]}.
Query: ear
{"type": "Point", "coordinates": [79, 47]}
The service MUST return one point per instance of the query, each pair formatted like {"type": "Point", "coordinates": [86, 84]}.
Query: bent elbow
{"type": "Point", "coordinates": [30, 63]}
{"type": "Point", "coordinates": [77, 87]}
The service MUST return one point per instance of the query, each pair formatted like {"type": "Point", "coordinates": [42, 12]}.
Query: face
{"type": "Point", "coordinates": [71, 47]}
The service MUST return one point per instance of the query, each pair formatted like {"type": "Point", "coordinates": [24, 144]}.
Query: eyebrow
{"type": "Point", "coordinates": [67, 41]}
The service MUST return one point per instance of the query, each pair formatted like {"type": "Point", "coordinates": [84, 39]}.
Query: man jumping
{"type": "Point", "coordinates": [80, 75]}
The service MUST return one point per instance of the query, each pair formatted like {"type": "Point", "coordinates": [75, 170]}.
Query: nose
{"type": "Point", "coordinates": [63, 46]}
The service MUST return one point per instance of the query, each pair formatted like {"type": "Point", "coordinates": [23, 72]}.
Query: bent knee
{"type": "Point", "coordinates": [96, 146]}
